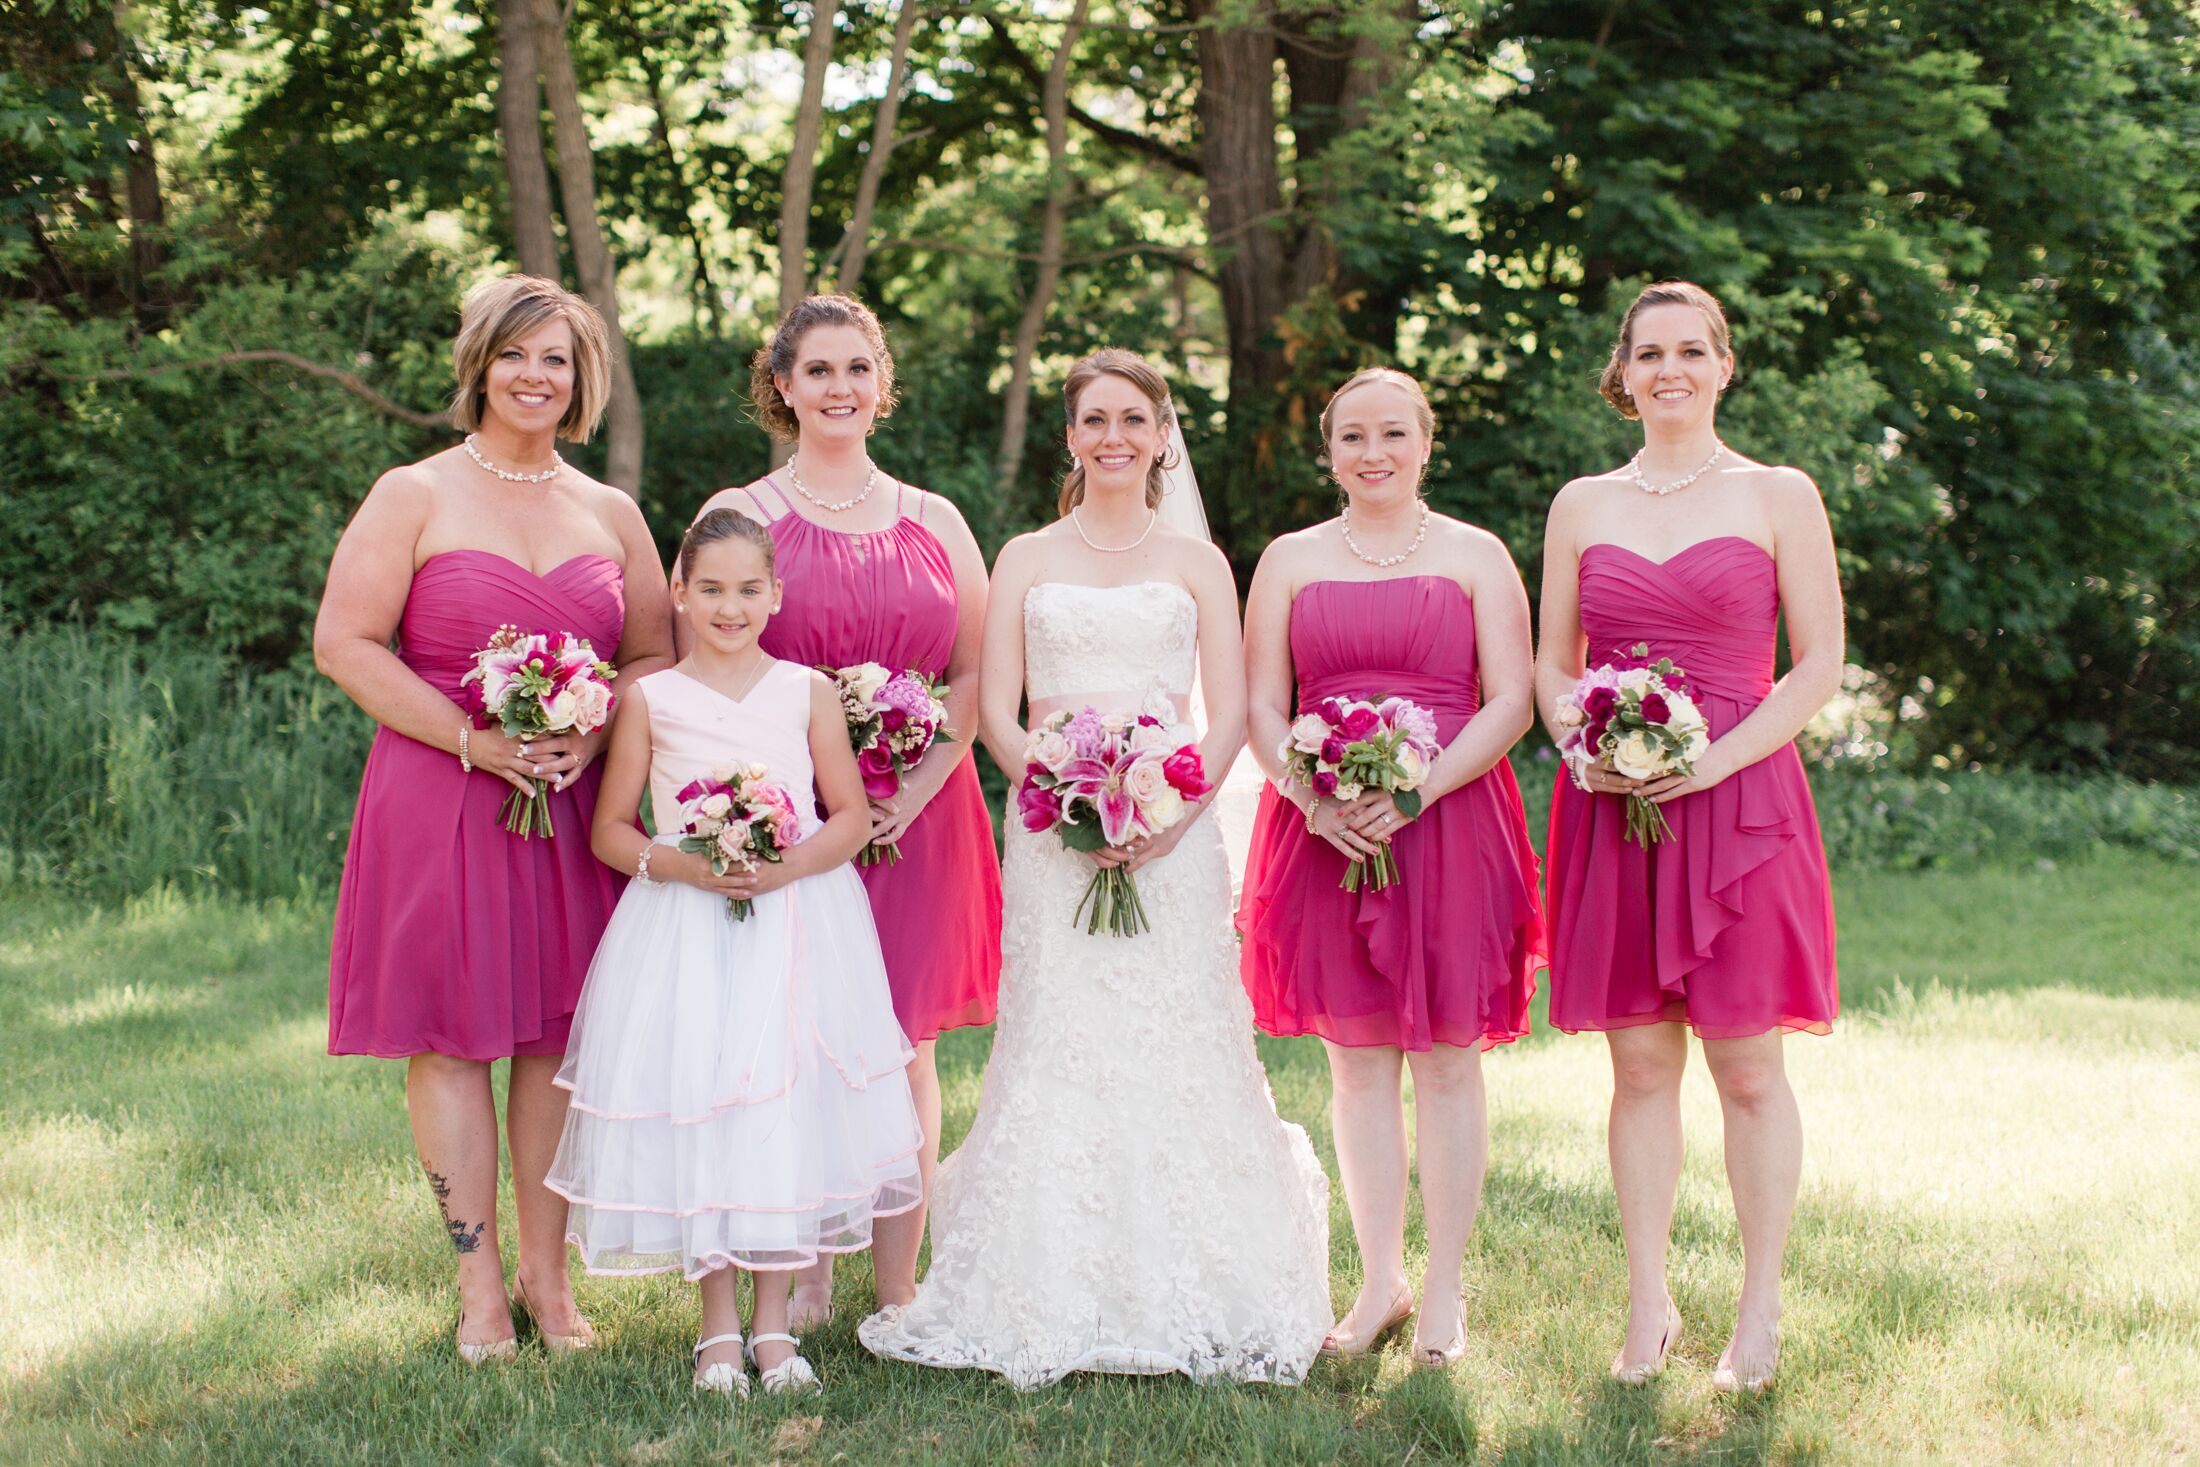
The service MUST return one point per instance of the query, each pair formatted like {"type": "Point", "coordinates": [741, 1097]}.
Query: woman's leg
{"type": "Point", "coordinates": [1764, 1167]}
{"type": "Point", "coordinates": [534, 1118]}
{"type": "Point", "coordinates": [1369, 1121]}
{"type": "Point", "coordinates": [720, 1290]}
{"type": "Point", "coordinates": [1451, 1145]}
{"type": "Point", "coordinates": [895, 1240]}
{"type": "Point", "coordinates": [770, 1316]}
{"type": "Point", "coordinates": [454, 1124]}
{"type": "Point", "coordinates": [1645, 1144]}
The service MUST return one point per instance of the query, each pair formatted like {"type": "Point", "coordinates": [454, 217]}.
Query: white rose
{"type": "Point", "coordinates": [1050, 750]}
{"type": "Point", "coordinates": [733, 841]}
{"type": "Point", "coordinates": [1635, 678]}
{"type": "Point", "coordinates": [594, 706]}
{"type": "Point", "coordinates": [1145, 781]}
{"type": "Point", "coordinates": [1146, 738]}
{"type": "Point", "coordinates": [1698, 740]}
{"type": "Point", "coordinates": [714, 807]}
{"type": "Point", "coordinates": [1347, 791]}
{"type": "Point", "coordinates": [1570, 714]}
{"type": "Point", "coordinates": [1164, 809]}
{"type": "Point", "coordinates": [1308, 733]}
{"type": "Point", "coordinates": [1412, 768]}
{"type": "Point", "coordinates": [1637, 757]}
{"type": "Point", "coordinates": [866, 678]}
{"type": "Point", "coordinates": [564, 708]}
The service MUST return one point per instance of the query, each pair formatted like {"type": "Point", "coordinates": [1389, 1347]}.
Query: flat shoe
{"type": "Point", "coordinates": [789, 1375]}
{"type": "Point", "coordinates": [727, 1377]}
{"type": "Point", "coordinates": [1337, 1345]}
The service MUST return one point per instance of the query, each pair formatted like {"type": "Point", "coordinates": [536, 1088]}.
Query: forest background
{"type": "Point", "coordinates": [1960, 245]}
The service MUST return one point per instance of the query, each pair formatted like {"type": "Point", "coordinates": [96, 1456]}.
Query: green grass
{"type": "Point", "coordinates": [217, 1246]}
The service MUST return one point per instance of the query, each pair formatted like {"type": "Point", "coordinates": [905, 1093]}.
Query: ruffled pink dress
{"type": "Point", "coordinates": [454, 936]}
{"type": "Point", "coordinates": [1728, 927]}
{"type": "Point", "coordinates": [888, 596]}
{"type": "Point", "coordinates": [1449, 954]}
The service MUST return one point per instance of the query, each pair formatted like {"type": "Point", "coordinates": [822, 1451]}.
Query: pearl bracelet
{"type": "Point", "coordinates": [641, 867]}
{"type": "Point", "coordinates": [465, 761]}
{"type": "Point", "coordinates": [1313, 807]}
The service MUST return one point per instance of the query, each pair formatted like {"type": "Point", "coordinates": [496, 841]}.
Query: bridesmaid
{"type": "Point", "coordinates": [881, 571]}
{"type": "Point", "coordinates": [456, 943]}
{"type": "Point", "coordinates": [1728, 928]}
{"type": "Point", "coordinates": [1392, 598]}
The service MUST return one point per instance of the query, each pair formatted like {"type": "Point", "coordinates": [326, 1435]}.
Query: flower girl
{"type": "Point", "coordinates": [738, 1098]}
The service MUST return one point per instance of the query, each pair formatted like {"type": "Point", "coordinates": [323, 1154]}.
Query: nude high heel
{"type": "Point", "coordinates": [582, 1339]}
{"type": "Point", "coordinates": [1637, 1375]}
{"type": "Point", "coordinates": [1754, 1382]}
{"type": "Point", "coordinates": [1337, 1345]}
{"type": "Point", "coordinates": [484, 1352]}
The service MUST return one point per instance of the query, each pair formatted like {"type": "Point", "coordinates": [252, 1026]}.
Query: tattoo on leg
{"type": "Point", "coordinates": [465, 1239]}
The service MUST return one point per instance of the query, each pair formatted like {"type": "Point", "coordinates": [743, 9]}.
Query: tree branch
{"type": "Point", "coordinates": [1137, 142]}
{"type": "Point", "coordinates": [350, 382]}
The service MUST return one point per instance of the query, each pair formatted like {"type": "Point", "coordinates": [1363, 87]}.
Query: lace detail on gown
{"type": "Point", "coordinates": [1127, 1199]}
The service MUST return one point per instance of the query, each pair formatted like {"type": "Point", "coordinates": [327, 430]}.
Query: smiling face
{"type": "Point", "coordinates": [1674, 369]}
{"type": "Point", "coordinates": [1116, 433]}
{"type": "Point", "coordinates": [1377, 445]}
{"type": "Point", "coordinates": [727, 594]}
{"type": "Point", "coordinates": [833, 386]}
{"type": "Point", "coordinates": [529, 383]}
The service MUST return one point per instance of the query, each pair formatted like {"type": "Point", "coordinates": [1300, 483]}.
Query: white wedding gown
{"type": "Point", "coordinates": [1127, 1199]}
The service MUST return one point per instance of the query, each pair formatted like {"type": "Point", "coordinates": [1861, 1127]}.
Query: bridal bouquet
{"type": "Point", "coordinates": [1635, 718]}
{"type": "Point", "coordinates": [537, 685]}
{"type": "Point", "coordinates": [893, 718]}
{"type": "Point", "coordinates": [1344, 746]}
{"type": "Point", "coordinates": [1101, 780]}
{"type": "Point", "coordinates": [738, 818]}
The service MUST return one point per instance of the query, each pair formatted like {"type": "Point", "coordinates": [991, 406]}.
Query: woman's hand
{"type": "Point", "coordinates": [1333, 825]}
{"type": "Point", "coordinates": [690, 868]}
{"type": "Point", "coordinates": [749, 885]}
{"type": "Point", "coordinates": [1375, 816]}
{"type": "Point", "coordinates": [517, 762]}
{"type": "Point", "coordinates": [892, 817]}
{"type": "Point", "coordinates": [1713, 768]}
{"type": "Point", "coordinates": [1598, 780]}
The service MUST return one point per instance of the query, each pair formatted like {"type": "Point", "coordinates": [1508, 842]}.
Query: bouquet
{"type": "Point", "coordinates": [1635, 718]}
{"type": "Point", "coordinates": [893, 718]}
{"type": "Point", "coordinates": [1100, 780]}
{"type": "Point", "coordinates": [1344, 747]}
{"type": "Point", "coordinates": [537, 685]}
{"type": "Point", "coordinates": [737, 818]}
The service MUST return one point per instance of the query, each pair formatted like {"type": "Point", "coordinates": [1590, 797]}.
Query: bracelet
{"type": "Point", "coordinates": [1312, 807]}
{"type": "Point", "coordinates": [641, 867]}
{"type": "Point", "coordinates": [465, 761]}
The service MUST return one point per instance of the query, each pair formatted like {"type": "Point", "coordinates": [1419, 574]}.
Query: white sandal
{"type": "Point", "coordinates": [791, 1374]}
{"type": "Point", "coordinates": [727, 1377]}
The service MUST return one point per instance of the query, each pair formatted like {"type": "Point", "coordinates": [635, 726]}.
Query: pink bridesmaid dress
{"type": "Point", "coordinates": [888, 596]}
{"type": "Point", "coordinates": [454, 936]}
{"type": "Point", "coordinates": [1449, 954]}
{"type": "Point", "coordinates": [1729, 926]}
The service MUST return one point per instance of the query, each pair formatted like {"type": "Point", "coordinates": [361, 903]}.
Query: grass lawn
{"type": "Point", "coordinates": [215, 1244]}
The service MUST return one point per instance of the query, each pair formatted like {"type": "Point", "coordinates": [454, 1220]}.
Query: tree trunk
{"type": "Point", "coordinates": [591, 254]}
{"type": "Point", "coordinates": [855, 245]}
{"type": "Point", "coordinates": [519, 118]}
{"type": "Point", "coordinates": [1054, 107]}
{"type": "Point", "coordinates": [660, 128]}
{"type": "Point", "coordinates": [148, 216]}
{"type": "Point", "coordinates": [801, 174]}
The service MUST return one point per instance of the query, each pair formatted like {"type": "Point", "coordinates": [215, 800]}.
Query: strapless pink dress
{"type": "Point", "coordinates": [1728, 927]}
{"type": "Point", "coordinates": [889, 597]}
{"type": "Point", "coordinates": [454, 936]}
{"type": "Point", "coordinates": [1447, 956]}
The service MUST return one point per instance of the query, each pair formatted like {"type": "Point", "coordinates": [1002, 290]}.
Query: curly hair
{"type": "Point", "coordinates": [1613, 383]}
{"type": "Point", "coordinates": [776, 358]}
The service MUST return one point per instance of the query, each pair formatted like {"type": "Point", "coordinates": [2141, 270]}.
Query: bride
{"type": "Point", "coordinates": [1127, 1200]}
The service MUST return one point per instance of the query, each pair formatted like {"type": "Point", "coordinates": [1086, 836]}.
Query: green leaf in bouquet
{"type": "Point", "coordinates": [1407, 801]}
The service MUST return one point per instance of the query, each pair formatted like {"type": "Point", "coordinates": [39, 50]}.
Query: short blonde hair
{"type": "Point", "coordinates": [499, 312]}
{"type": "Point", "coordinates": [1613, 383]}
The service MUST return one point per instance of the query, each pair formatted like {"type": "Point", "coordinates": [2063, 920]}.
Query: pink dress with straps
{"type": "Point", "coordinates": [888, 596]}
{"type": "Point", "coordinates": [1728, 927]}
{"type": "Point", "coordinates": [1448, 955]}
{"type": "Point", "coordinates": [454, 936]}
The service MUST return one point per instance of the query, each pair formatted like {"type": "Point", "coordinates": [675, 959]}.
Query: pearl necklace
{"type": "Point", "coordinates": [1153, 517]}
{"type": "Point", "coordinates": [870, 482]}
{"type": "Point", "coordinates": [556, 463]}
{"type": "Point", "coordinates": [1634, 467]}
{"type": "Point", "coordinates": [1344, 523]}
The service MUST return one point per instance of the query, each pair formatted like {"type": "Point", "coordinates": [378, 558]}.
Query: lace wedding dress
{"type": "Point", "coordinates": [1127, 1200]}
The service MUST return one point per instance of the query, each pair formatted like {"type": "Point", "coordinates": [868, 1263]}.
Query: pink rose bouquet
{"type": "Point", "coordinates": [1635, 718]}
{"type": "Point", "coordinates": [893, 718]}
{"type": "Point", "coordinates": [1101, 780]}
{"type": "Point", "coordinates": [1343, 747]}
{"type": "Point", "coordinates": [738, 818]}
{"type": "Point", "coordinates": [537, 685]}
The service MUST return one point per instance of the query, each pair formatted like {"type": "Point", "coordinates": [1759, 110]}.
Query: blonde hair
{"type": "Point", "coordinates": [1613, 384]}
{"type": "Point", "coordinates": [1134, 369]}
{"type": "Point", "coordinates": [776, 358]}
{"type": "Point", "coordinates": [499, 312]}
{"type": "Point", "coordinates": [1422, 412]}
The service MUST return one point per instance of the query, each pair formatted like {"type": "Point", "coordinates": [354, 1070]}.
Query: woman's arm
{"type": "Point", "coordinates": [646, 644]}
{"type": "Point", "coordinates": [1558, 658]}
{"type": "Point", "coordinates": [1505, 653]}
{"type": "Point", "coordinates": [1222, 684]}
{"type": "Point", "coordinates": [1810, 599]}
{"type": "Point", "coordinates": [890, 818]}
{"type": "Point", "coordinates": [1271, 688]}
{"type": "Point", "coordinates": [1001, 655]}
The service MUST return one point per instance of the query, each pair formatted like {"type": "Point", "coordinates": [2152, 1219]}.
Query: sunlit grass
{"type": "Point", "coordinates": [217, 1246]}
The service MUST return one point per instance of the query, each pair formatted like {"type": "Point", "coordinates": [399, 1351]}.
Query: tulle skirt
{"type": "Point", "coordinates": [738, 1094]}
